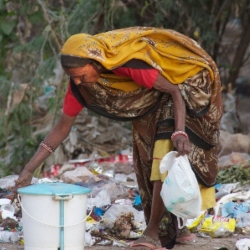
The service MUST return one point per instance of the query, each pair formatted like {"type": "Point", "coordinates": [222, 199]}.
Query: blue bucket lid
{"type": "Point", "coordinates": [57, 188]}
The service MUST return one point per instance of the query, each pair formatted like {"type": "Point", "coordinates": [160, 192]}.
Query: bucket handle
{"type": "Point", "coordinates": [18, 198]}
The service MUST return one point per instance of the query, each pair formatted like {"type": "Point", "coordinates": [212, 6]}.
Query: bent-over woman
{"type": "Point", "coordinates": [168, 87]}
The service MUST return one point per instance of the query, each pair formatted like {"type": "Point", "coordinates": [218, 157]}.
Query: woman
{"type": "Point", "coordinates": [167, 86]}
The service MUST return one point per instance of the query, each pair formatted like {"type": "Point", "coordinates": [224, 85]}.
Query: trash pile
{"type": "Point", "coordinates": [112, 206]}
{"type": "Point", "coordinates": [114, 210]}
{"type": "Point", "coordinates": [92, 137]}
{"type": "Point", "coordinates": [10, 225]}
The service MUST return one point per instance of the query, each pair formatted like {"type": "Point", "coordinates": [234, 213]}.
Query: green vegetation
{"type": "Point", "coordinates": [234, 174]}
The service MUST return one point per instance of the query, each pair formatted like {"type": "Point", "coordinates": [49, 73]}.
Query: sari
{"type": "Point", "coordinates": [182, 61]}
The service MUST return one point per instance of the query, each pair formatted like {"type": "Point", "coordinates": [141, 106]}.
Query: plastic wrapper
{"type": "Point", "coordinates": [7, 211]}
{"type": "Point", "coordinates": [6, 236]}
{"type": "Point", "coordinates": [4, 201]}
{"type": "Point", "coordinates": [101, 199]}
{"type": "Point", "coordinates": [194, 224]}
{"type": "Point", "coordinates": [90, 223]}
{"type": "Point", "coordinates": [238, 210]}
{"type": "Point", "coordinates": [243, 219]}
{"type": "Point", "coordinates": [217, 226]}
{"type": "Point", "coordinates": [224, 189]}
{"type": "Point", "coordinates": [88, 239]}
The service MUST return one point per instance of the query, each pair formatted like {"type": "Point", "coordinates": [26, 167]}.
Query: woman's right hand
{"type": "Point", "coordinates": [23, 180]}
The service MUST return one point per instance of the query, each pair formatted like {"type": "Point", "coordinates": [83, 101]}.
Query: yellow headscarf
{"type": "Point", "coordinates": [176, 56]}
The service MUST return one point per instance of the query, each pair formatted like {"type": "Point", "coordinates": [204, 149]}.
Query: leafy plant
{"type": "Point", "coordinates": [234, 174]}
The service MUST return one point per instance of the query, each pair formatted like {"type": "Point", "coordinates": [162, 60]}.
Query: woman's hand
{"type": "Point", "coordinates": [23, 180]}
{"type": "Point", "coordinates": [181, 144]}
{"type": "Point", "coordinates": [54, 138]}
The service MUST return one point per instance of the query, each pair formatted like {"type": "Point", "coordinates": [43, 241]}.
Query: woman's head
{"type": "Point", "coordinates": [73, 61]}
{"type": "Point", "coordinates": [81, 70]}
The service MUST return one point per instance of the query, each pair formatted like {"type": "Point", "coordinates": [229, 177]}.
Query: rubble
{"type": "Point", "coordinates": [95, 136]}
{"type": "Point", "coordinates": [115, 215]}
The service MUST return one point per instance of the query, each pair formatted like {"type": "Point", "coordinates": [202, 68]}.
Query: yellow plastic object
{"type": "Point", "coordinates": [196, 223]}
{"type": "Point", "coordinates": [217, 226]}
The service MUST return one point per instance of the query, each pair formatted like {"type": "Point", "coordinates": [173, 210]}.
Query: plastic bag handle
{"type": "Point", "coordinates": [183, 222]}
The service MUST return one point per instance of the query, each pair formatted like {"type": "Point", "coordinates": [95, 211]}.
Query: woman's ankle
{"type": "Point", "coordinates": [153, 234]}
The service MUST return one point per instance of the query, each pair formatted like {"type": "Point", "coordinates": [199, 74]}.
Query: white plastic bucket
{"type": "Point", "coordinates": [53, 216]}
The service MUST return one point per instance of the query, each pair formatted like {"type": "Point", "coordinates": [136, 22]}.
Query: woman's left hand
{"type": "Point", "coordinates": [181, 144]}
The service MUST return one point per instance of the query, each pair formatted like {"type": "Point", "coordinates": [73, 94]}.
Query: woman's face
{"type": "Point", "coordinates": [83, 75]}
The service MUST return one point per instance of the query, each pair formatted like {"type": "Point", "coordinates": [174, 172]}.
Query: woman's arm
{"type": "Point", "coordinates": [181, 143]}
{"type": "Point", "coordinates": [150, 77]}
{"type": "Point", "coordinates": [58, 133]}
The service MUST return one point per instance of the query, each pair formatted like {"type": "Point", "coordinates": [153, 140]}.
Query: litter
{"type": "Point", "coordinates": [243, 244]}
{"type": "Point", "coordinates": [117, 215]}
{"type": "Point", "coordinates": [243, 195]}
{"type": "Point", "coordinates": [6, 236]}
{"type": "Point", "coordinates": [217, 226]}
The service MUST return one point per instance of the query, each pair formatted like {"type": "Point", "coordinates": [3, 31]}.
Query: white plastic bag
{"type": "Point", "coordinates": [180, 190]}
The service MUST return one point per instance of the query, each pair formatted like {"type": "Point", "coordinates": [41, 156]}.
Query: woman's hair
{"type": "Point", "coordinates": [74, 61]}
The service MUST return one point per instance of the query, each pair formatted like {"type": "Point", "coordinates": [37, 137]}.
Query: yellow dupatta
{"type": "Point", "coordinates": [174, 55]}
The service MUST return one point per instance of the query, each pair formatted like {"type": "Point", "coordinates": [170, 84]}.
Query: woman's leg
{"type": "Point", "coordinates": [157, 212]}
{"type": "Point", "coordinates": [144, 131]}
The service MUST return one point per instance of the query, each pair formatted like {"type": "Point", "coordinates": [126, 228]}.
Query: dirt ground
{"type": "Point", "coordinates": [200, 243]}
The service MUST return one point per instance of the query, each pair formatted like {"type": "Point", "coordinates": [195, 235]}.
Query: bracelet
{"type": "Point", "coordinates": [47, 147]}
{"type": "Point", "coordinates": [179, 133]}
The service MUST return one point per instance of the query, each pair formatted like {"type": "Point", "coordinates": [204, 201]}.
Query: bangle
{"type": "Point", "coordinates": [47, 147]}
{"type": "Point", "coordinates": [179, 133]}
